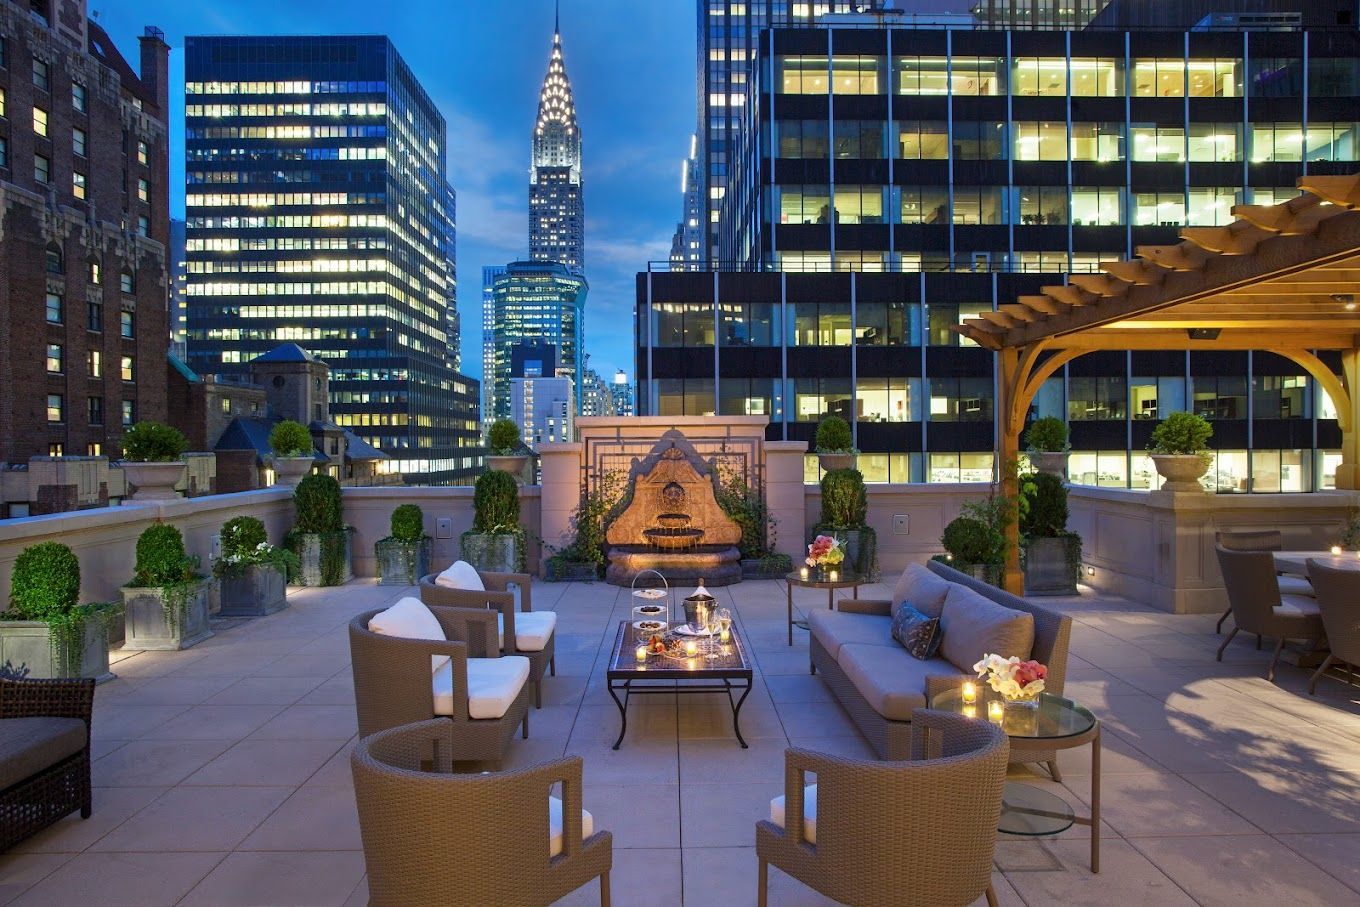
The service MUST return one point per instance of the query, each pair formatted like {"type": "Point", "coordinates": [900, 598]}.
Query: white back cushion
{"type": "Point", "coordinates": [461, 575]}
{"type": "Point", "coordinates": [410, 619]}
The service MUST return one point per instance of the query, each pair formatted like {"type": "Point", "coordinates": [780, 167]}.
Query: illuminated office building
{"type": "Point", "coordinates": [535, 303]}
{"type": "Point", "coordinates": [318, 211]}
{"type": "Point", "coordinates": [557, 216]}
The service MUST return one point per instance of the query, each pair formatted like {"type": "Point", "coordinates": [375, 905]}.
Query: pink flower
{"type": "Point", "coordinates": [1026, 672]}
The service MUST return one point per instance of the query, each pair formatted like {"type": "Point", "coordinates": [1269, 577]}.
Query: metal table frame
{"type": "Point", "coordinates": [849, 581]}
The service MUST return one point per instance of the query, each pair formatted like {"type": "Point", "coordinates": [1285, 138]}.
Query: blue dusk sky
{"type": "Point", "coordinates": [631, 64]}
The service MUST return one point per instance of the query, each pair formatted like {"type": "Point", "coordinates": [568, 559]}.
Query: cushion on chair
{"type": "Point", "coordinates": [1297, 606]}
{"type": "Point", "coordinates": [493, 684]}
{"type": "Point", "coordinates": [889, 679]}
{"type": "Point", "coordinates": [410, 619]}
{"type": "Point", "coordinates": [834, 629]}
{"type": "Point", "coordinates": [555, 829]}
{"type": "Point", "coordinates": [29, 745]}
{"type": "Point", "coordinates": [809, 812]}
{"type": "Point", "coordinates": [533, 629]}
{"type": "Point", "coordinates": [1295, 585]}
{"type": "Point", "coordinates": [918, 634]}
{"type": "Point", "coordinates": [973, 626]}
{"type": "Point", "coordinates": [922, 589]}
{"type": "Point", "coordinates": [461, 575]}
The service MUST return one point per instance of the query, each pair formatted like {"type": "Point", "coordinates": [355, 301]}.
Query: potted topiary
{"type": "Point", "coordinates": [252, 575]}
{"type": "Point", "coordinates": [507, 447]}
{"type": "Point", "coordinates": [1052, 555]}
{"type": "Point", "coordinates": [404, 556]}
{"type": "Point", "coordinates": [835, 446]}
{"type": "Point", "coordinates": [845, 508]}
{"type": "Point", "coordinates": [975, 542]}
{"type": "Point", "coordinates": [152, 461]}
{"type": "Point", "coordinates": [496, 542]}
{"type": "Point", "coordinates": [1180, 451]}
{"type": "Point", "coordinates": [167, 601]}
{"type": "Point", "coordinates": [320, 538]}
{"type": "Point", "coordinates": [1046, 443]}
{"type": "Point", "coordinates": [294, 452]}
{"type": "Point", "coordinates": [45, 630]}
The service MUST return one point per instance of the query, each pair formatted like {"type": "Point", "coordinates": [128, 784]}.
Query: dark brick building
{"type": "Point", "coordinates": [84, 229]}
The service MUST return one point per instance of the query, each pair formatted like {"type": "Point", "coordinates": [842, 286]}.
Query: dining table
{"type": "Point", "coordinates": [1296, 562]}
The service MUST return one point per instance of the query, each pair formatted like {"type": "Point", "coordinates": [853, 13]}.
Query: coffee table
{"type": "Point", "coordinates": [1057, 724]}
{"type": "Point", "coordinates": [660, 675]}
{"type": "Point", "coordinates": [818, 579]}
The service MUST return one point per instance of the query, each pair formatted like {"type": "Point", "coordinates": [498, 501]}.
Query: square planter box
{"type": "Point", "coordinates": [857, 555]}
{"type": "Point", "coordinates": [492, 553]}
{"type": "Point", "coordinates": [1048, 570]}
{"type": "Point", "coordinates": [309, 552]}
{"type": "Point", "coordinates": [147, 627]}
{"type": "Point", "coordinates": [402, 563]}
{"type": "Point", "coordinates": [259, 590]}
{"type": "Point", "coordinates": [29, 643]}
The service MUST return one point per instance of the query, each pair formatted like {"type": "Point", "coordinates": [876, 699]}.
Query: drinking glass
{"type": "Point", "coordinates": [714, 622]}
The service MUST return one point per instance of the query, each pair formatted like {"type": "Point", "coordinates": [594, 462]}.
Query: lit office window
{"type": "Point", "coordinates": [1039, 76]}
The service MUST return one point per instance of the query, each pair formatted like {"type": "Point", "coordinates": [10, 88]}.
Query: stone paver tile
{"type": "Point", "coordinates": [1151, 805]}
{"type": "Point", "coordinates": [1058, 872]}
{"type": "Point", "coordinates": [297, 879]}
{"type": "Point", "coordinates": [636, 762]}
{"type": "Point", "coordinates": [21, 871]}
{"type": "Point", "coordinates": [1243, 870]}
{"type": "Point", "coordinates": [825, 719]}
{"type": "Point", "coordinates": [154, 763]}
{"type": "Point", "coordinates": [135, 879]}
{"type": "Point", "coordinates": [336, 772]}
{"type": "Point", "coordinates": [195, 818]}
{"type": "Point", "coordinates": [651, 719]}
{"type": "Point", "coordinates": [313, 818]}
{"type": "Point", "coordinates": [725, 815]}
{"type": "Point", "coordinates": [339, 690]}
{"type": "Point", "coordinates": [255, 762]}
{"type": "Point", "coordinates": [130, 722]}
{"type": "Point", "coordinates": [1335, 854]}
{"type": "Point", "coordinates": [321, 667]}
{"type": "Point", "coordinates": [214, 722]}
{"type": "Point", "coordinates": [710, 715]}
{"type": "Point", "coordinates": [729, 876]}
{"type": "Point", "coordinates": [311, 722]}
{"type": "Point", "coordinates": [797, 688]}
{"type": "Point", "coordinates": [641, 877]}
{"type": "Point", "coordinates": [181, 691]}
{"type": "Point", "coordinates": [638, 815]}
{"type": "Point", "coordinates": [703, 760]}
{"type": "Point", "coordinates": [854, 747]}
{"type": "Point", "coordinates": [266, 691]}
{"type": "Point", "coordinates": [1117, 757]}
{"type": "Point", "coordinates": [1284, 802]}
{"type": "Point", "coordinates": [110, 807]}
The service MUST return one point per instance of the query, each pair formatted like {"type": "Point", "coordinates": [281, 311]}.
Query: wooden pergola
{"type": "Point", "coordinates": [1281, 278]}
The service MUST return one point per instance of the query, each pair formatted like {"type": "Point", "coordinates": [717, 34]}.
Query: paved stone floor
{"type": "Point", "coordinates": [222, 776]}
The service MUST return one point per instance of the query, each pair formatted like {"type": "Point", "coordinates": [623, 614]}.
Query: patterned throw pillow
{"type": "Point", "coordinates": [918, 634]}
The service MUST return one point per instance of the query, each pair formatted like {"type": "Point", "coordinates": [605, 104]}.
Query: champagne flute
{"type": "Point", "coordinates": [712, 630]}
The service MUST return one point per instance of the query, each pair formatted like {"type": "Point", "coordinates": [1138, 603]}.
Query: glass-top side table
{"type": "Point", "coordinates": [830, 580]}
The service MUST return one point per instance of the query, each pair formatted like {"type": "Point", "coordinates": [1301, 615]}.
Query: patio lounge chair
{"type": "Point", "coordinates": [431, 837]}
{"type": "Point", "coordinates": [1259, 607]}
{"type": "Point", "coordinates": [1261, 540]}
{"type": "Point", "coordinates": [920, 832]}
{"type": "Point", "coordinates": [1338, 598]}
{"type": "Point", "coordinates": [44, 754]}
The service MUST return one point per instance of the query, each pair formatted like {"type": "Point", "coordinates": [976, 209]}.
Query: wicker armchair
{"type": "Point", "coordinates": [499, 597]}
{"type": "Point", "coordinates": [44, 754]}
{"type": "Point", "coordinates": [1261, 540]}
{"type": "Point", "coordinates": [1338, 598]}
{"type": "Point", "coordinates": [1257, 605]}
{"type": "Point", "coordinates": [436, 838]}
{"type": "Point", "coordinates": [393, 684]}
{"type": "Point", "coordinates": [920, 832]}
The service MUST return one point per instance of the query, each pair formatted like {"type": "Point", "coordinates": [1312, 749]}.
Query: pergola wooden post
{"type": "Point", "coordinates": [1284, 279]}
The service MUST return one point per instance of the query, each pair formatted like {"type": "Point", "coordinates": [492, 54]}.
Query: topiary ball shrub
{"type": "Point", "coordinates": [319, 505]}
{"type": "Point", "coordinates": [844, 502]}
{"type": "Point", "coordinates": [833, 436]}
{"type": "Point", "coordinates": [242, 535]}
{"type": "Point", "coordinates": [1181, 434]}
{"type": "Point", "coordinates": [504, 438]}
{"type": "Point", "coordinates": [495, 502]}
{"type": "Point", "coordinates": [1046, 514]}
{"type": "Point", "coordinates": [1047, 435]}
{"type": "Point", "coordinates": [153, 442]}
{"type": "Point", "coordinates": [45, 582]}
{"type": "Point", "coordinates": [161, 558]}
{"type": "Point", "coordinates": [971, 541]}
{"type": "Point", "coordinates": [291, 439]}
{"type": "Point", "coordinates": [408, 523]}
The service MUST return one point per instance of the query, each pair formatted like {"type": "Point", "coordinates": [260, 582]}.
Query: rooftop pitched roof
{"type": "Point", "coordinates": [286, 352]}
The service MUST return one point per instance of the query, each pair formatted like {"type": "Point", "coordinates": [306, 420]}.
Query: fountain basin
{"type": "Point", "coordinates": [673, 539]}
{"type": "Point", "coordinates": [672, 520]}
{"type": "Point", "coordinates": [716, 565]}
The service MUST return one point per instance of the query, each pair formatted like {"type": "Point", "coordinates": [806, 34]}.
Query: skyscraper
{"type": "Point", "coordinates": [691, 234]}
{"type": "Point", "coordinates": [319, 212]}
{"type": "Point", "coordinates": [557, 218]}
{"type": "Point", "coordinates": [489, 275]}
{"type": "Point", "coordinates": [535, 303]}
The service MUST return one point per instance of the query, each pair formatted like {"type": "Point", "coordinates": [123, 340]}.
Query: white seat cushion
{"type": "Point", "coordinates": [533, 629]}
{"type": "Point", "coordinates": [1295, 585]}
{"type": "Point", "coordinates": [1297, 606]}
{"type": "Point", "coordinates": [410, 619]}
{"type": "Point", "coordinates": [555, 829]}
{"type": "Point", "coordinates": [809, 812]}
{"type": "Point", "coordinates": [493, 684]}
{"type": "Point", "coordinates": [461, 575]}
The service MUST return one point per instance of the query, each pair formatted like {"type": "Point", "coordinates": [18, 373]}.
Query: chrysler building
{"type": "Point", "coordinates": [556, 206]}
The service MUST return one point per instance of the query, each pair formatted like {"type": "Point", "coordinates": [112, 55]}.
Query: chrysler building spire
{"type": "Point", "coordinates": [556, 205]}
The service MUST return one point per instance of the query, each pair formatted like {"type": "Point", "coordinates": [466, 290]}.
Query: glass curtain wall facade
{"type": "Point", "coordinates": [538, 303]}
{"type": "Point", "coordinates": [971, 167]}
{"type": "Point", "coordinates": [318, 211]}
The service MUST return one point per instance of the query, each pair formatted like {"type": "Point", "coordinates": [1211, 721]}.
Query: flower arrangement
{"type": "Point", "coordinates": [244, 543]}
{"type": "Point", "coordinates": [1017, 681]}
{"type": "Point", "coordinates": [825, 551]}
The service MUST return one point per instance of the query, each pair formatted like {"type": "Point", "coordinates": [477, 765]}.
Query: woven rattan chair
{"type": "Point", "coordinates": [921, 832]}
{"type": "Point", "coordinates": [499, 597]}
{"type": "Point", "coordinates": [393, 685]}
{"type": "Point", "coordinates": [44, 754]}
{"type": "Point", "coordinates": [1338, 598]}
{"type": "Point", "coordinates": [436, 838]}
{"type": "Point", "coordinates": [1257, 605]}
{"type": "Point", "coordinates": [1261, 540]}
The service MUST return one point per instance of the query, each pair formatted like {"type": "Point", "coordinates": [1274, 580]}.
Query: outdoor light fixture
{"type": "Point", "coordinates": [1346, 299]}
{"type": "Point", "coordinates": [1204, 333]}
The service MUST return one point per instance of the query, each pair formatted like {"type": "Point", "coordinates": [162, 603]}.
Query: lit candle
{"type": "Point", "coordinates": [641, 653]}
{"type": "Point", "coordinates": [832, 576]}
{"type": "Point", "coordinates": [1336, 549]}
{"type": "Point", "coordinates": [995, 711]}
{"type": "Point", "coordinates": [725, 635]}
{"type": "Point", "coordinates": [970, 711]}
{"type": "Point", "coordinates": [969, 693]}
{"type": "Point", "coordinates": [691, 648]}
{"type": "Point", "coordinates": [803, 573]}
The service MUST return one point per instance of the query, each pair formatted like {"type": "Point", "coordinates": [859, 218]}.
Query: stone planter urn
{"type": "Point", "coordinates": [288, 471]}
{"type": "Point", "coordinates": [318, 570]}
{"type": "Point", "coordinates": [29, 643]}
{"type": "Point", "coordinates": [401, 563]}
{"type": "Point", "coordinates": [1181, 471]}
{"type": "Point", "coordinates": [1053, 462]}
{"type": "Point", "coordinates": [499, 553]}
{"type": "Point", "coordinates": [258, 590]}
{"type": "Point", "coordinates": [154, 623]}
{"type": "Point", "coordinates": [830, 461]}
{"type": "Point", "coordinates": [1052, 567]}
{"type": "Point", "coordinates": [154, 481]}
{"type": "Point", "coordinates": [513, 464]}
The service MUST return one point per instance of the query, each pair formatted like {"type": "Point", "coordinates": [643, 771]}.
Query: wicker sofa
{"type": "Point", "coordinates": [44, 754]}
{"type": "Point", "coordinates": [879, 683]}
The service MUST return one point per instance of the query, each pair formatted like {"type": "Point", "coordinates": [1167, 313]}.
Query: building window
{"type": "Point", "coordinates": [859, 204]}
{"type": "Point", "coordinates": [95, 410]}
{"type": "Point", "coordinates": [1332, 142]}
{"type": "Point", "coordinates": [1214, 78]}
{"type": "Point", "coordinates": [55, 449]}
{"type": "Point", "coordinates": [96, 273]}
{"type": "Point", "coordinates": [53, 259]}
{"type": "Point", "coordinates": [1041, 205]}
{"type": "Point", "coordinates": [1220, 142]}
{"type": "Point", "coordinates": [125, 324]}
{"type": "Point", "coordinates": [53, 308]}
{"type": "Point", "coordinates": [143, 190]}
{"type": "Point", "coordinates": [94, 316]}
{"type": "Point", "coordinates": [94, 362]}
{"type": "Point", "coordinates": [141, 152]}
{"type": "Point", "coordinates": [94, 449]}
{"type": "Point", "coordinates": [975, 205]}
{"type": "Point", "coordinates": [226, 405]}
{"type": "Point", "coordinates": [42, 169]}
{"type": "Point", "coordinates": [889, 399]}
{"type": "Point", "coordinates": [40, 121]}
{"type": "Point", "coordinates": [1162, 144]}
{"type": "Point", "coordinates": [1159, 78]}
{"type": "Point", "coordinates": [143, 225]}
{"type": "Point", "coordinates": [1094, 399]}
{"type": "Point", "coordinates": [1210, 206]}
{"type": "Point", "coordinates": [40, 78]}
{"type": "Point", "coordinates": [859, 139]}
{"type": "Point", "coordinates": [1276, 142]}
{"type": "Point", "coordinates": [1096, 77]}
{"type": "Point", "coordinates": [78, 97]}
{"type": "Point", "coordinates": [924, 205]}
{"type": "Point", "coordinates": [129, 412]}
{"type": "Point", "coordinates": [1219, 396]}
{"type": "Point", "coordinates": [682, 324]}
{"type": "Point", "coordinates": [805, 205]}
{"type": "Point", "coordinates": [126, 370]}
{"type": "Point", "coordinates": [1159, 209]}
{"type": "Point", "coordinates": [126, 282]}
{"type": "Point", "coordinates": [4, 152]}
{"type": "Point", "coordinates": [77, 184]}
{"type": "Point", "coordinates": [802, 75]}
{"type": "Point", "coordinates": [54, 358]}
{"type": "Point", "coordinates": [979, 141]}
{"type": "Point", "coordinates": [749, 324]}
{"type": "Point", "coordinates": [922, 140]}
{"type": "Point", "coordinates": [923, 76]}
{"type": "Point", "coordinates": [820, 324]}
{"type": "Point", "coordinates": [960, 399]}
{"type": "Point", "coordinates": [1039, 76]}
{"type": "Point", "coordinates": [78, 141]}
{"type": "Point", "coordinates": [803, 139]}
{"type": "Point", "coordinates": [56, 408]}
{"type": "Point", "coordinates": [1097, 206]}
{"type": "Point", "coordinates": [4, 109]}
{"type": "Point", "coordinates": [1103, 142]}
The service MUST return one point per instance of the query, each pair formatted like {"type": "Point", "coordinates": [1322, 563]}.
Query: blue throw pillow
{"type": "Point", "coordinates": [918, 634]}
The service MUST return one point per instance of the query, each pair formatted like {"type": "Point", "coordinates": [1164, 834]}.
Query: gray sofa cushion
{"type": "Point", "coordinates": [974, 626]}
{"type": "Point", "coordinates": [891, 680]}
{"type": "Point", "coordinates": [834, 629]}
{"type": "Point", "coordinates": [920, 588]}
{"type": "Point", "coordinates": [29, 745]}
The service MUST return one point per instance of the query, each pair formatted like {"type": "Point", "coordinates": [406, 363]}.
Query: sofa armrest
{"type": "Point", "coordinates": [474, 627]}
{"type": "Point", "coordinates": [501, 582]}
{"type": "Point", "coordinates": [880, 607]}
{"type": "Point", "coordinates": [42, 698]}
